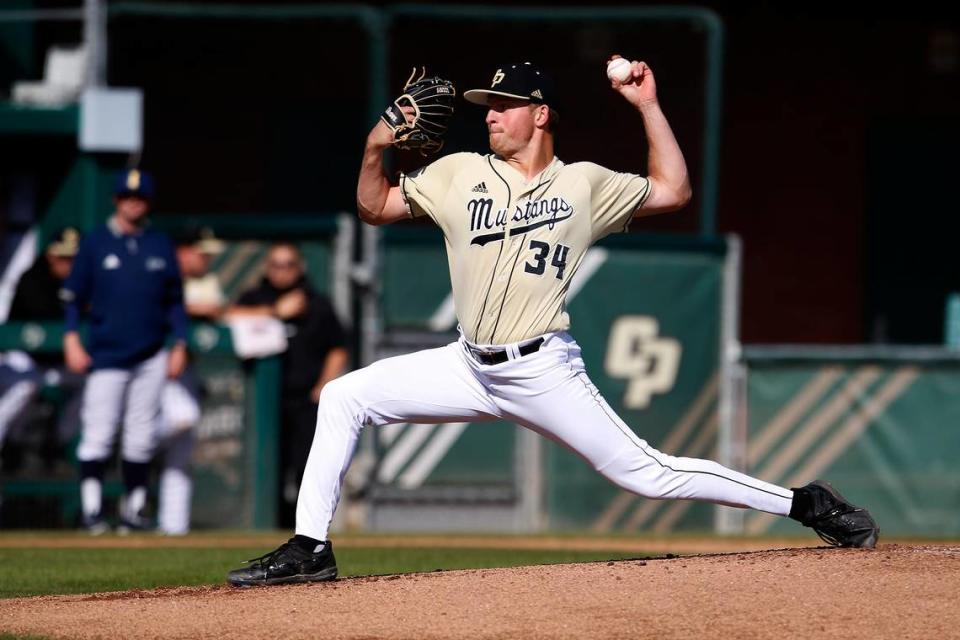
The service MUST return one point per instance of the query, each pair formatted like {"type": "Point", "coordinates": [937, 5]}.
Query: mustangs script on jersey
{"type": "Point", "coordinates": [513, 245]}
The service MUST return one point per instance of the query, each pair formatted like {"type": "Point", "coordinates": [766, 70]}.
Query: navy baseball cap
{"type": "Point", "coordinates": [522, 81]}
{"type": "Point", "coordinates": [202, 239]}
{"type": "Point", "coordinates": [133, 183]}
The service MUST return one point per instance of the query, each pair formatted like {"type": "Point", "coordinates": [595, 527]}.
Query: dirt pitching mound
{"type": "Point", "coordinates": [896, 591]}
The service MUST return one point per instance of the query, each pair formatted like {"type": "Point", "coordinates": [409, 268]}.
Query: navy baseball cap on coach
{"type": "Point", "coordinates": [133, 183]}
{"type": "Point", "coordinates": [522, 81]}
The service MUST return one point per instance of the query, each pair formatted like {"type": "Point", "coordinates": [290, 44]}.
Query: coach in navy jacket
{"type": "Point", "coordinates": [126, 280]}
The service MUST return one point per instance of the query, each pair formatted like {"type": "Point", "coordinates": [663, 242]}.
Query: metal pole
{"type": "Point", "coordinates": [95, 40]}
{"type": "Point", "coordinates": [342, 285]}
{"type": "Point", "coordinates": [730, 448]}
{"type": "Point", "coordinates": [712, 124]}
{"type": "Point", "coordinates": [530, 515]}
{"type": "Point", "coordinates": [263, 437]}
{"type": "Point", "coordinates": [367, 276]}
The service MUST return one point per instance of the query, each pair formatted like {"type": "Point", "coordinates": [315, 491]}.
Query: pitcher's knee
{"type": "Point", "coordinates": [343, 389]}
{"type": "Point", "coordinates": [336, 399]}
{"type": "Point", "coordinates": [340, 401]}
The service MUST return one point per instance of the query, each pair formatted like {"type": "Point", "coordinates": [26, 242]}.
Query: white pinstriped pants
{"type": "Point", "coordinates": [134, 395]}
{"type": "Point", "coordinates": [547, 391]}
{"type": "Point", "coordinates": [180, 414]}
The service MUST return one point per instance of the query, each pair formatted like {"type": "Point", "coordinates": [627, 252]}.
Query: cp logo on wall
{"type": "Point", "coordinates": [649, 362]}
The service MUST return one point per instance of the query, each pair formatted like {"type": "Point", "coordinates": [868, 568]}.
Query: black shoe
{"type": "Point", "coordinates": [289, 563]}
{"type": "Point", "coordinates": [133, 523]}
{"type": "Point", "coordinates": [836, 521]}
{"type": "Point", "coordinates": [95, 525]}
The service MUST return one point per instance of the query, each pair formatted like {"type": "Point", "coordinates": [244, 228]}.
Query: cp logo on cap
{"type": "Point", "coordinates": [133, 180]}
{"type": "Point", "coordinates": [497, 78]}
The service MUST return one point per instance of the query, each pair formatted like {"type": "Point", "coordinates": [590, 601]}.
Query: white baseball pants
{"type": "Point", "coordinates": [13, 401]}
{"type": "Point", "coordinates": [180, 413]}
{"type": "Point", "coordinates": [134, 395]}
{"type": "Point", "coordinates": [547, 391]}
{"type": "Point", "coordinates": [176, 484]}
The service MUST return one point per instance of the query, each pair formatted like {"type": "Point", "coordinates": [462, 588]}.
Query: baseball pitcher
{"type": "Point", "coordinates": [516, 223]}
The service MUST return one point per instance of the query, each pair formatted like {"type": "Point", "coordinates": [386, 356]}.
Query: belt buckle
{"type": "Point", "coordinates": [480, 354]}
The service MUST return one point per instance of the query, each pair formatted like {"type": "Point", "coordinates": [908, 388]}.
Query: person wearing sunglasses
{"type": "Point", "coordinates": [316, 353]}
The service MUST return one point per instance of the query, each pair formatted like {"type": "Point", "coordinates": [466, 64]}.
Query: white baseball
{"type": "Point", "coordinates": [619, 69]}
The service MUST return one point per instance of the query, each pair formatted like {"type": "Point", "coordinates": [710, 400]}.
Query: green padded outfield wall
{"type": "Point", "coordinates": [886, 433]}
{"type": "Point", "coordinates": [647, 316]}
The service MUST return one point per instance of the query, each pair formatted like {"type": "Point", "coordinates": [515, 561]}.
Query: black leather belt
{"type": "Point", "coordinates": [496, 356]}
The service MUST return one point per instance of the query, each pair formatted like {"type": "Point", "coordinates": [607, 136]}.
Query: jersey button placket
{"type": "Point", "coordinates": [503, 276]}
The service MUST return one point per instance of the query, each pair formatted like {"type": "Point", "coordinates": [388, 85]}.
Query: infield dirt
{"type": "Point", "coordinates": [895, 591]}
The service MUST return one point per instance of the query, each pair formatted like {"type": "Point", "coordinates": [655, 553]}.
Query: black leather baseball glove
{"type": "Point", "coordinates": [432, 102]}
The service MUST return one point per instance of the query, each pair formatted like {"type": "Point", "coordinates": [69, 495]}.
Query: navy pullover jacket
{"type": "Point", "coordinates": [131, 288]}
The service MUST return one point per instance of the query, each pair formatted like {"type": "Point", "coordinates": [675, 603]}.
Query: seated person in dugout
{"type": "Point", "coordinates": [39, 399]}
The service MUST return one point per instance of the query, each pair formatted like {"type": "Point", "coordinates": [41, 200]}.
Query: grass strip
{"type": "Point", "coordinates": [48, 571]}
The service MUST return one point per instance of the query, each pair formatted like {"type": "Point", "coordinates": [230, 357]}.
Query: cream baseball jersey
{"type": "Point", "coordinates": [513, 245]}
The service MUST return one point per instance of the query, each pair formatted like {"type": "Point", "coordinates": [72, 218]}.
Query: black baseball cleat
{"type": "Point", "coordinates": [135, 523]}
{"type": "Point", "coordinates": [289, 563]}
{"type": "Point", "coordinates": [821, 507]}
{"type": "Point", "coordinates": [95, 525]}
